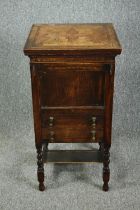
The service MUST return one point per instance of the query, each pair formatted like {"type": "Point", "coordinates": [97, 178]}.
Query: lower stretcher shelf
{"type": "Point", "coordinates": [72, 156]}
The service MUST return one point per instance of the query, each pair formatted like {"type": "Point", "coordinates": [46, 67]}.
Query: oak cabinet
{"type": "Point", "coordinates": [72, 75]}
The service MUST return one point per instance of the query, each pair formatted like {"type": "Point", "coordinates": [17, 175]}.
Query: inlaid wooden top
{"type": "Point", "coordinates": [95, 37]}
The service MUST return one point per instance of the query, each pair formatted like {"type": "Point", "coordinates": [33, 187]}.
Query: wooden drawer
{"type": "Point", "coordinates": [71, 134]}
{"type": "Point", "coordinates": [71, 126]}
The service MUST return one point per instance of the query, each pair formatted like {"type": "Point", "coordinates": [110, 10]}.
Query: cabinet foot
{"type": "Point", "coordinates": [41, 187]}
{"type": "Point", "coordinates": [105, 187]}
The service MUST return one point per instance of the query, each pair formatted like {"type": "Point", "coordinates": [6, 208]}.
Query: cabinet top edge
{"type": "Point", "coordinates": [92, 38]}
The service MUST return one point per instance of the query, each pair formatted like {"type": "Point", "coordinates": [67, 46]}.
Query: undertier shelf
{"type": "Point", "coordinates": [72, 156]}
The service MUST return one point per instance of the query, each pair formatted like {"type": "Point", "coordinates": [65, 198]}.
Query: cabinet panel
{"type": "Point", "coordinates": [71, 84]}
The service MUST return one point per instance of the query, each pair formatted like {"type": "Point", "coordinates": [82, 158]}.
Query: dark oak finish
{"type": "Point", "coordinates": [72, 126]}
{"type": "Point", "coordinates": [74, 84]}
{"type": "Point", "coordinates": [53, 38]}
{"type": "Point", "coordinates": [72, 73]}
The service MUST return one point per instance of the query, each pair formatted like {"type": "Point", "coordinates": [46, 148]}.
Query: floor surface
{"type": "Point", "coordinates": [69, 186]}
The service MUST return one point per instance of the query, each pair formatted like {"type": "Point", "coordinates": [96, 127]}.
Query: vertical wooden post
{"type": "Point", "coordinates": [37, 125]}
{"type": "Point", "coordinates": [106, 170]}
{"type": "Point", "coordinates": [109, 87]}
{"type": "Point", "coordinates": [40, 169]}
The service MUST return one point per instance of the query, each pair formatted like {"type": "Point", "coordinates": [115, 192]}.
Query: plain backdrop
{"type": "Point", "coordinates": [16, 119]}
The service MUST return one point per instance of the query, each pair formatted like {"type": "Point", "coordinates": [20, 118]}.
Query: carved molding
{"type": "Point", "coordinates": [68, 58]}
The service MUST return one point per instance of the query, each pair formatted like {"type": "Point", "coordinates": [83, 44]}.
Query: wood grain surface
{"type": "Point", "coordinates": [72, 73]}
{"type": "Point", "coordinates": [72, 36]}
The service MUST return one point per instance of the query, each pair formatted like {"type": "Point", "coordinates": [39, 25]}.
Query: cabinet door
{"type": "Point", "coordinates": [63, 85]}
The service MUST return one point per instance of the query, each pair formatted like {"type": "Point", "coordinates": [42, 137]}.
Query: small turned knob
{"type": "Point", "coordinates": [93, 122]}
{"type": "Point", "coordinates": [51, 132]}
{"type": "Point", "coordinates": [93, 119]}
{"type": "Point", "coordinates": [51, 121]}
{"type": "Point", "coordinates": [93, 137]}
{"type": "Point", "coordinates": [51, 136]}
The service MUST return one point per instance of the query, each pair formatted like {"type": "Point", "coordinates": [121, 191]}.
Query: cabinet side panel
{"type": "Point", "coordinates": [109, 89]}
{"type": "Point", "coordinates": [36, 103]}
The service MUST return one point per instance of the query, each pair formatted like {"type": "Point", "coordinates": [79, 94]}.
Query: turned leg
{"type": "Point", "coordinates": [40, 169]}
{"type": "Point", "coordinates": [106, 170]}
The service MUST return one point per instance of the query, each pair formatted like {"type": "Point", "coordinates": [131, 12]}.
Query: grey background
{"type": "Point", "coordinates": [69, 186]}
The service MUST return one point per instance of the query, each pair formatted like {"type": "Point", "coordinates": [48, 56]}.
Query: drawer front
{"type": "Point", "coordinates": [71, 126]}
{"type": "Point", "coordinates": [72, 135]}
{"type": "Point", "coordinates": [71, 85]}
